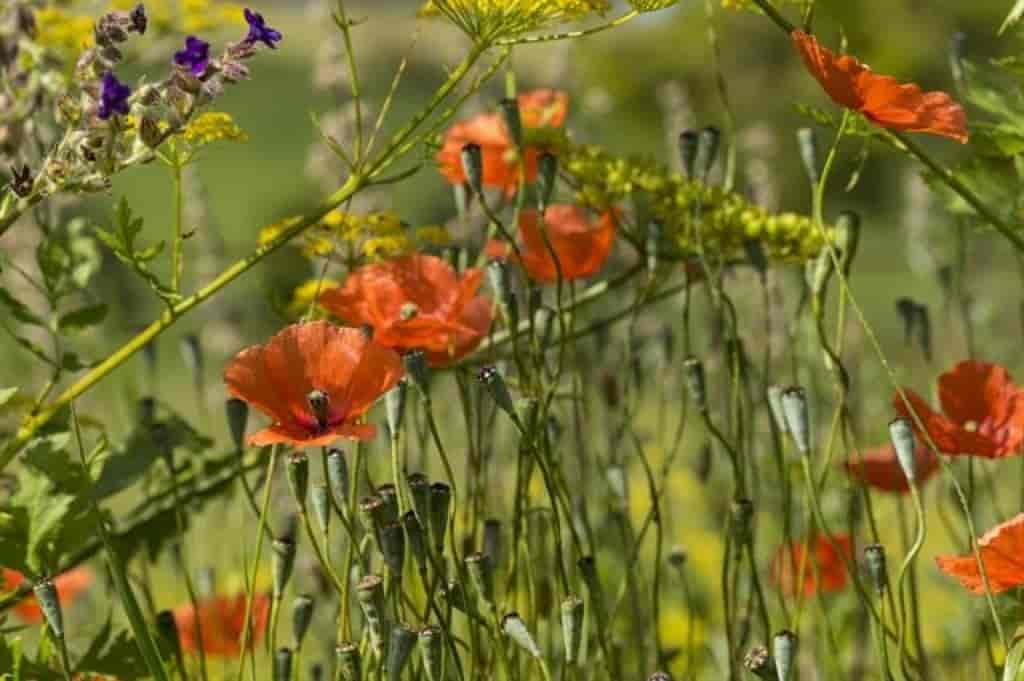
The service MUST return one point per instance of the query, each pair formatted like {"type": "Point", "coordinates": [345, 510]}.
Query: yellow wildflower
{"type": "Point", "coordinates": [387, 247]}
{"type": "Point", "coordinates": [492, 19]}
{"type": "Point", "coordinates": [272, 232]}
{"type": "Point", "coordinates": [212, 126]}
{"type": "Point", "coordinates": [304, 296]}
{"type": "Point", "coordinates": [64, 33]}
{"type": "Point", "coordinates": [433, 235]}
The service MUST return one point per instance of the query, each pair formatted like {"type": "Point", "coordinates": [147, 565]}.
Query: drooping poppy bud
{"type": "Point", "coordinates": [282, 563]}
{"type": "Point", "coordinates": [283, 664]}
{"type": "Point", "coordinates": [784, 652]}
{"type": "Point", "coordinates": [775, 405]}
{"type": "Point", "coordinates": [794, 406]}
{"type": "Point", "coordinates": [847, 235]}
{"type": "Point", "coordinates": [874, 560]}
{"type": "Point", "coordinates": [302, 615]}
{"type": "Point", "coordinates": [513, 121]}
{"type": "Point", "coordinates": [403, 639]}
{"type": "Point", "coordinates": [901, 432]}
{"type": "Point", "coordinates": [515, 628]}
{"type": "Point", "coordinates": [473, 167]}
{"type": "Point", "coordinates": [394, 402]}
{"type": "Point", "coordinates": [238, 417]}
{"type": "Point", "coordinates": [432, 650]}
{"type": "Point", "coordinates": [807, 141]}
{"type": "Point", "coordinates": [498, 390]}
{"type": "Point", "coordinates": [337, 475]}
{"type": "Point", "coordinates": [688, 141]}
{"type": "Point", "coordinates": [440, 501]}
{"type": "Point", "coordinates": [481, 573]}
{"type": "Point", "coordinates": [547, 174]}
{"type": "Point", "coordinates": [349, 662]}
{"type": "Point", "coordinates": [572, 627]}
{"type": "Point", "coordinates": [321, 497]}
{"type": "Point", "coordinates": [298, 477]}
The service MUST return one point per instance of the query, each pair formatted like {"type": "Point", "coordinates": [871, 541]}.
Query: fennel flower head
{"type": "Point", "coordinates": [489, 20]}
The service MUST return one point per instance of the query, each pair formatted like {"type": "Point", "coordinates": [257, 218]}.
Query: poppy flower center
{"type": "Point", "coordinates": [319, 404]}
{"type": "Point", "coordinates": [971, 426]}
{"type": "Point", "coordinates": [408, 311]}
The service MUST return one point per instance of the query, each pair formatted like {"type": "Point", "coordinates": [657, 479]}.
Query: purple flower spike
{"type": "Point", "coordinates": [113, 97]}
{"type": "Point", "coordinates": [195, 57]}
{"type": "Point", "coordinates": [259, 32]}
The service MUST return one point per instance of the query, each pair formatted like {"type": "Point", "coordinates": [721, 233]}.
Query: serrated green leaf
{"type": "Point", "coordinates": [82, 318]}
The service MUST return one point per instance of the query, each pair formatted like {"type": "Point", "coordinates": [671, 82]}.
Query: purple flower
{"type": "Point", "coordinates": [138, 17]}
{"type": "Point", "coordinates": [113, 97]}
{"type": "Point", "coordinates": [259, 32]}
{"type": "Point", "coordinates": [195, 56]}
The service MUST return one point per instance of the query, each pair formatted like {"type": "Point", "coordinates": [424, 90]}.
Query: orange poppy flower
{"type": "Point", "coordinates": [537, 109]}
{"type": "Point", "coordinates": [831, 570]}
{"type": "Point", "coordinates": [222, 623]}
{"type": "Point", "coordinates": [984, 411]}
{"type": "Point", "coordinates": [879, 468]}
{"type": "Point", "coordinates": [581, 246]}
{"type": "Point", "coordinates": [1002, 552]}
{"type": "Point", "coordinates": [70, 586]}
{"type": "Point", "coordinates": [881, 99]}
{"type": "Point", "coordinates": [417, 301]}
{"type": "Point", "coordinates": [315, 380]}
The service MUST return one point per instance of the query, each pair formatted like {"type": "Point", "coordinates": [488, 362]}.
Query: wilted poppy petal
{"type": "Point", "coordinates": [879, 468]}
{"type": "Point", "coordinates": [1002, 552]}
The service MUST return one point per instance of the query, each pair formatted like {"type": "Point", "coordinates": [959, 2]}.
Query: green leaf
{"type": "Point", "coordinates": [115, 654]}
{"type": "Point", "coordinates": [14, 525]}
{"type": "Point", "coordinates": [1016, 12]}
{"type": "Point", "coordinates": [19, 310]}
{"type": "Point", "coordinates": [82, 318]}
{"type": "Point", "coordinates": [6, 394]}
{"type": "Point", "coordinates": [34, 348]}
{"type": "Point", "coordinates": [19, 666]}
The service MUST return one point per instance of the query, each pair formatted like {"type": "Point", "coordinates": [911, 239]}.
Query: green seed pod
{"type": "Point", "coordinates": [419, 490]}
{"type": "Point", "coordinates": [392, 546]}
{"type": "Point", "coordinates": [819, 272]}
{"type": "Point", "coordinates": [500, 279]}
{"type": "Point", "coordinates": [492, 540]}
{"type": "Point", "coordinates": [807, 141]}
{"type": "Point", "coordinates": [394, 401]}
{"type": "Point", "coordinates": [298, 477]}
{"type": "Point", "coordinates": [515, 628]}
{"type": "Point", "coordinates": [847, 235]}
{"type": "Point", "coordinates": [547, 175]}
{"type": "Point", "coordinates": [775, 404]}
{"type": "Point", "coordinates": [389, 494]}
{"type": "Point", "coordinates": [337, 475]}
{"type": "Point", "coordinates": [874, 559]}
{"type": "Point", "coordinates": [403, 639]}
{"type": "Point", "coordinates": [302, 615]}
{"type": "Point", "coordinates": [374, 511]}
{"type": "Point", "coordinates": [544, 323]}
{"type": "Point", "coordinates": [498, 390]}
{"type": "Point", "coordinates": [688, 142]}
{"type": "Point", "coordinates": [417, 539]}
{"type": "Point", "coordinates": [481, 574]}
{"type": "Point", "coordinates": [432, 652]}
{"type": "Point", "coordinates": [455, 594]}
{"type": "Point", "coordinates": [758, 661]}
{"type": "Point", "coordinates": [282, 563]}
{"type": "Point", "coordinates": [513, 121]}
{"type": "Point", "coordinates": [167, 629]}
{"type": "Point", "coordinates": [283, 664]}
{"type": "Point", "coordinates": [696, 386]}
{"type": "Point", "coordinates": [794, 406]}
{"type": "Point", "coordinates": [238, 417]}
{"type": "Point", "coordinates": [440, 500]}
{"type": "Point", "coordinates": [349, 662]}
{"type": "Point", "coordinates": [784, 648]}
{"type": "Point", "coordinates": [415, 362]}
{"type": "Point", "coordinates": [473, 167]}
{"type": "Point", "coordinates": [321, 497]}
{"type": "Point", "coordinates": [463, 197]}
{"type": "Point", "coordinates": [901, 432]}
{"type": "Point", "coordinates": [512, 310]}
{"type": "Point", "coordinates": [572, 627]}
{"type": "Point", "coordinates": [677, 557]}
{"type": "Point", "coordinates": [370, 592]}
{"type": "Point", "coordinates": [707, 151]}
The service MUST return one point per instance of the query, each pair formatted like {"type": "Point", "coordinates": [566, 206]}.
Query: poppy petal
{"type": "Point", "coordinates": [838, 76]}
{"type": "Point", "coordinates": [1002, 552]}
{"type": "Point", "coordinates": [879, 468]}
{"type": "Point", "coordinates": [948, 436]}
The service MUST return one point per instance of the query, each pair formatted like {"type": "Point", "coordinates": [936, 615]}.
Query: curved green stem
{"type": "Point", "coordinates": [900, 581]}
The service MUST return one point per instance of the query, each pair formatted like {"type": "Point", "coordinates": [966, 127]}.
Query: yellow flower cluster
{"type": "Point", "coordinates": [186, 16]}
{"type": "Point", "coordinates": [726, 220]}
{"type": "Point", "coordinates": [486, 20]}
{"type": "Point", "coordinates": [305, 294]}
{"type": "Point", "coordinates": [213, 126]}
{"type": "Point", "coordinates": [64, 33]}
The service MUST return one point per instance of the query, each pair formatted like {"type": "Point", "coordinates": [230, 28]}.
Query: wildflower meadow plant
{"type": "Point", "coordinates": [526, 397]}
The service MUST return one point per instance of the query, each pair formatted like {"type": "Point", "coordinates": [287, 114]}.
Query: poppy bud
{"type": "Point", "coordinates": [775, 405]}
{"type": "Point", "coordinates": [302, 615]}
{"type": "Point", "coordinates": [695, 382]}
{"type": "Point", "coordinates": [283, 665]}
{"type": "Point", "coordinates": [759, 662]}
{"type": "Point", "coordinates": [389, 494]}
{"type": "Point", "coordinates": [1013, 668]}
{"type": "Point", "coordinates": [808, 143]}
{"type": "Point", "coordinates": [392, 546]}
{"type": "Point", "coordinates": [238, 416]}
{"type": "Point", "coordinates": [415, 362]}
{"type": "Point", "coordinates": [419, 489]}
{"type": "Point", "coordinates": [707, 151]}
{"type": "Point", "coordinates": [742, 512]}
{"type": "Point", "coordinates": [874, 559]}
{"type": "Point", "coordinates": [677, 557]}
{"type": "Point", "coordinates": [784, 649]}
{"type": "Point", "coordinates": [819, 271]}
{"type": "Point", "coordinates": [394, 402]}
{"type": "Point", "coordinates": [572, 627]}
{"type": "Point", "coordinates": [348, 661]}
{"type": "Point", "coordinates": [756, 256]}
{"type": "Point", "coordinates": [432, 651]}
{"type": "Point", "coordinates": [455, 594]}
{"type": "Point", "coordinates": [688, 140]}
{"type": "Point", "coordinates": [907, 310]}
{"type": "Point", "coordinates": [416, 538]}
{"type": "Point", "coordinates": [372, 509]}
{"type": "Point", "coordinates": [500, 279]}
{"type": "Point", "coordinates": [514, 627]}
{"type": "Point", "coordinates": [282, 563]}
{"type": "Point", "coordinates": [463, 196]}
{"type": "Point", "coordinates": [513, 121]}
{"type": "Point", "coordinates": [167, 630]}
{"type": "Point", "coordinates": [481, 574]}
{"type": "Point", "coordinates": [544, 323]}
{"type": "Point", "coordinates": [370, 592]}
{"type": "Point", "coordinates": [298, 477]}
{"type": "Point", "coordinates": [512, 311]}
{"type": "Point", "coordinates": [321, 497]}
{"type": "Point", "coordinates": [440, 500]}
{"type": "Point", "coordinates": [901, 432]}
{"type": "Point", "coordinates": [547, 174]}
{"type": "Point", "coordinates": [403, 639]}
{"type": "Point", "coordinates": [337, 475]}
{"type": "Point", "coordinates": [652, 245]}
{"type": "Point", "coordinates": [847, 236]}
{"type": "Point", "coordinates": [319, 404]}
{"type": "Point", "coordinates": [473, 167]}
{"type": "Point", "coordinates": [794, 406]}
{"type": "Point", "coordinates": [495, 384]}
{"type": "Point", "coordinates": [492, 540]}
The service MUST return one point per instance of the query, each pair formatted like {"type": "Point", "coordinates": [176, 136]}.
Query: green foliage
{"type": "Point", "coordinates": [121, 240]}
{"type": "Point", "coordinates": [115, 653]}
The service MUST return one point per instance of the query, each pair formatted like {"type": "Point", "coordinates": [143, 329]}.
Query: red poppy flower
{"type": "Point", "coordinates": [537, 109]}
{"type": "Point", "coordinates": [984, 411]}
{"type": "Point", "coordinates": [222, 623]}
{"type": "Point", "coordinates": [831, 570]}
{"type": "Point", "coordinates": [879, 468]}
{"type": "Point", "coordinates": [881, 99]}
{"type": "Point", "coordinates": [581, 246]}
{"type": "Point", "coordinates": [315, 380]}
{"type": "Point", "coordinates": [417, 301]}
{"type": "Point", "coordinates": [69, 586]}
{"type": "Point", "coordinates": [1002, 552]}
